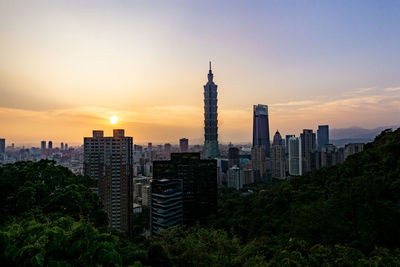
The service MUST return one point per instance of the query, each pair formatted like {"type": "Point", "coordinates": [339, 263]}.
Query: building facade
{"type": "Point", "coordinates": [199, 184]}
{"type": "Point", "coordinates": [109, 161]}
{"type": "Point", "coordinates": [166, 204]}
{"type": "Point", "coordinates": [183, 145]}
{"type": "Point", "coordinates": [210, 149]}
{"type": "Point", "coordinates": [308, 146]}
{"type": "Point", "coordinates": [261, 128]}
{"type": "Point", "coordinates": [322, 136]}
{"type": "Point", "coordinates": [295, 161]}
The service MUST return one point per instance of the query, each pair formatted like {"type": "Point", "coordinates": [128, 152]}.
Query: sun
{"type": "Point", "coordinates": [113, 119]}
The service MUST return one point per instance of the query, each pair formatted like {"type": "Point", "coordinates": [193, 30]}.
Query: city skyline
{"type": "Point", "coordinates": [87, 62]}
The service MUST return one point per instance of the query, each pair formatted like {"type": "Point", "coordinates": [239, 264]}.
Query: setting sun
{"type": "Point", "coordinates": [113, 119]}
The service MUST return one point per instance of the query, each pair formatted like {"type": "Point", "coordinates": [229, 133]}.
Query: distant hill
{"type": "Point", "coordinates": [342, 136]}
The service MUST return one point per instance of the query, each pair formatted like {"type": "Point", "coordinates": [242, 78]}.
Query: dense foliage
{"type": "Point", "coordinates": [338, 216]}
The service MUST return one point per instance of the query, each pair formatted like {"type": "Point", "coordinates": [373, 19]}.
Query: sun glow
{"type": "Point", "coordinates": [113, 119]}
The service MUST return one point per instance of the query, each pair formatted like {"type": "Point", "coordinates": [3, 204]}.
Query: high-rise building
{"type": "Point", "coordinates": [277, 139]}
{"type": "Point", "coordinates": [199, 183]}
{"type": "Point", "coordinates": [2, 146]}
{"type": "Point", "coordinates": [50, 145]}
{"type": "Point", "coordinates": [329, 155]}
{"type": "Point", "coordinates": [261, 128]}
{"type": "Point", "coordinates": [43, 146]}
{"type": "Point", "coordinates": [235, 179]}
{"type": "Point", "coordinates": [166, 204]}
{"type": "Point", "coordinates": [150, 146]}
{"type": "Point", "coordinates": [295, 162]}
{"type": "Point", "coordinates": [183, 145]}
{"type": "Point", "coordinates": [66, 146]}
{"type": "Point", "coordinates": [109, 161]}
{"type": "Point", "coordinates": [167, 149]}
{"type": "Point", "coordinates": [258, 164]}
{"type": "Point", "coordinates": [287, 137]}
{"type": "Point", "coordinates": [248, 177]}
{"type": "Point", "coordinates": [308, 146]}
{"type": "Point", "coordinates": [352, 148]}
{"type": "Point", "coordinates": [233, 157]}
{"type": "Point", "coordinates": [62, 146]}
{"type": "Point", "coordinates": [210, 149]}
{"type": "Point", "coordinates": [278, 158]}
{"type": "Point", "coordinates": [322, 136]}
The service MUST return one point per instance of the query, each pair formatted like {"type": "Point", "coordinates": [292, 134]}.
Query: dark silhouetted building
{"type": "Point", "coordinates": [2, 145]}
{"type": "Point", "coordinates": [183, 145]}
{"type": "Point", "coordinates": [43, 146]}
{"type": "Point", "coordinates": [199, 184]}
{"type": "Point", "coordinates": [322, 136]}
{"type": "Point", "coordinates": [308, 146]}
{"type": "Point", "coordinates": [62, 146]}
{"type": "Point", "coordinates": [210, 149]}
{"type": "Point", "coordinates": [166, 204]}
{"type": "Point", "coordinates": [109, 161]}
{"type": "Point", "coordinates": [50, 145]}
{"type": "Point", "coordinates": [233, 157]}
{"type": "Point", "coordinates": [261, 128]}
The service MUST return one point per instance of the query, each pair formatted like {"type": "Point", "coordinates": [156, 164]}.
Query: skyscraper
{"type": "Point", "coordinates": [295, 163]}
{"type": "Point", "coordinates": [261, 128]}
{"type": "Point", "coordinates": [2, 146]}
{"type": "Point", "coordinates": [322, 136]}
{"type": "Point", "coordinates": [50, 146]}
{"type": "Point", "coordinates": [258, 164]}
{"type": "Point", "coordinates": [62, 146]}
{"type": "Point", "coordinates": [43, 146]}
{"type": "Point", "coordinates": [183, 145]}
{"type": "Point", "coordinates": [109, 161]}
{"type": "Point", "coordinates": [287, 137]}
{"type": "Point", "coordinates": [308, 146]}
{"type": "Point", "coordinates": [210, 149]}
{"type": "Point", "coordinates": [199, 184]}
{"type": "Point", "coordinates": [278, 158]}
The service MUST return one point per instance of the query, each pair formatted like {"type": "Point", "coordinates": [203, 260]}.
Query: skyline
{"type": "Point", "coordinates": [67, 67]}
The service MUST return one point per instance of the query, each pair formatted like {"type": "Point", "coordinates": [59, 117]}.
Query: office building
{"type": "Point", "coordinates": [278, 158]}
{"type": "Point", "coordinates": [62, 146]}
{"type": "Point", "coordinates": [287, 137]}
{"type": "Point", "coordinates": [43, 146]}
{"type": "Point", "coordinates": [2, 146]}
{"type": "Point", "coordinates": [166, 204]}
{"type": "Point", "coordinates": [322, 136]}
{"type": "Point", "coordinates": [146, 195]}
{"type": "Point", "coordinates": [66, 146]}
{"type": "Point", "coordinates": [183, 145]}
{"type": "Point", "coordinates": [210, 149]}
{"type": "Point", "coordinates": [295, 160]}
{"type": "Point", "coordinates": [199, 183]}
{"type": "Point", "coordinates": [167, 149]}
{"type": "Point", "coordinates": [329, 155]}
{"type": "Point", "coordinates": [235, 178]}
{"type": "Point", "coordinates": [352, 148]}
{"type": "Point", "coordinates": [258, 161]}
{"type": "Point", "coordinates": [233, 157]}
{"type": "Point", "coordinates": [109, 161]}
{"type": "Point", "coordinates": [261, 128]}
{"type": "Point", "coordinates": [248, 174]}
{"type": "Point", "coordinates": [308, 146]}
{"type": "Point", "coordinates": [50, 145]}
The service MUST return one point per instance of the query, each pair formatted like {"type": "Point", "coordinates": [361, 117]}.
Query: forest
{"type": "Point", "coordinates": [345, 215]}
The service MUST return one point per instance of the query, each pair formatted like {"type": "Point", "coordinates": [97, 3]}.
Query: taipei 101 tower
{"type": "Point", "coordinates": [210, 150]}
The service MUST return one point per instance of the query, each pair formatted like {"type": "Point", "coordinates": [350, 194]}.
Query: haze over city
{"type": "Point", "coordinates": [67, 67]}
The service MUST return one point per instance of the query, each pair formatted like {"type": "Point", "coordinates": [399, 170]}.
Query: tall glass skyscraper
{"type": "Point", "coordinates": [261, 128]}
{"type": "Point", "coordinates": [210, 118]}
{"type": "Point", "coordinates": [322, 136]}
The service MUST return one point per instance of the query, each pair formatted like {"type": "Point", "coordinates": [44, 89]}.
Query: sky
{"type": "Point", "coordinates": [67, 66]}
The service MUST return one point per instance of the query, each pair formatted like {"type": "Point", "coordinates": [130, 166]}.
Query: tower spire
{"type": "Point", "coordinates": [210, 66]}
